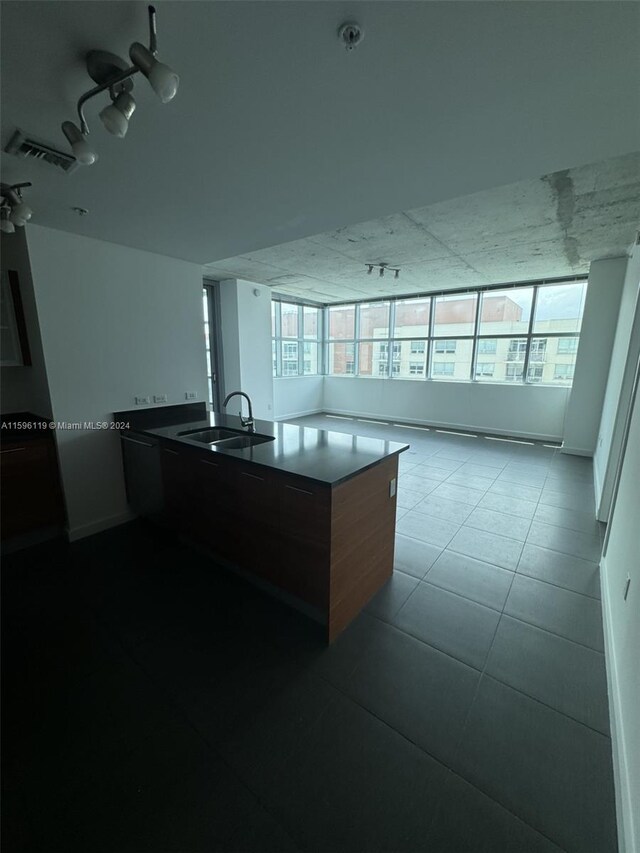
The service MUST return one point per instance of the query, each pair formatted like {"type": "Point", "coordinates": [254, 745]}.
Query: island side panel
{"type": "Point", "coordinates": [363, 517]}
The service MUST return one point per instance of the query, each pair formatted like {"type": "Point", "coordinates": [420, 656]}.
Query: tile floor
{"type": "Point", "coordinates": [152, 704]}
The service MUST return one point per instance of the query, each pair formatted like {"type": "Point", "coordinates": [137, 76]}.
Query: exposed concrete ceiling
{"type": "Point", "coordinates": [544, 228]}
{"type": "Point", "coordinates": [278, 133]}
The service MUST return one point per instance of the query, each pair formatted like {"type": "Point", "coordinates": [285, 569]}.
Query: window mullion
{"type": "Point", "coordinates": [430, 340]}
{"type": "Point", "coordinates": [279, 339]}
{"type": "Point", "coordinates": [391, 339]}
{"type": "Point", "coordinates": [300, 340]}
{"type": "Point", "coordinates": [525, 370]}
{"type": "Point", "coordinates": [476, 331]}
{"type": "Point", "coordinates": [356, 341]}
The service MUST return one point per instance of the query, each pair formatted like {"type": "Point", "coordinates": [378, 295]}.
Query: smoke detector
{"type": "Point", "coordinates": [350, 34]}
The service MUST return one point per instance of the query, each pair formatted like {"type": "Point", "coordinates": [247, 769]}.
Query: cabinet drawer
{"type": "Point", "coordinates": [304, 510]}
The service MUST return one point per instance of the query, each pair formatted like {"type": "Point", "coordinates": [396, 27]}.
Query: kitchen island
{"type": "Point", "coordinates": [307, 512]}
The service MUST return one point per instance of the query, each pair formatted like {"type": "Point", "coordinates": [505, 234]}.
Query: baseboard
{"type": "Point", "coordinates": [555, 439]}
{"type": "Point", "coordinates": [291, 415]}
{"type": "Point", "coordinates": [624, 806]}
{"type": "Point", "coordinates": [576, 451]}
{"type": "Point", "coordinates": [84, 530]}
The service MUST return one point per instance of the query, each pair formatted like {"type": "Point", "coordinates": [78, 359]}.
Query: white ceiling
{"type": "Point", "coordinates": [529, 230]}
{"type": "Point", "coordinates": [277, 133]}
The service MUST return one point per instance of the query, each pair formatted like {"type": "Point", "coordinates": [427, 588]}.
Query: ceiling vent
{"type": "Point", "coordinates": [27, 147]}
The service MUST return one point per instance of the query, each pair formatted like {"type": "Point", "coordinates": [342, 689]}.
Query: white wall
{"type": "Point", "coordinates": [115, 323]}
{"type": "Point", "coordinates": [24, 389]}
{"type": "Point", "coordinates": [622, 635]}
{"type": "Point", "coordinates": [623, 358]}
{"type": "Point", "coordinates": [294, 396]}
{"type": "Point", "coordinates": [529, 411]}
{"type": "Point", "coordinates": [606, 279]}
{"type": "Point", "coordinates": [245, 317]}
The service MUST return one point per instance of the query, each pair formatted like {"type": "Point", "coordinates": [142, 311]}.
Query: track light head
{"type": "Point", "coordinates": [115, 117]}
{"type": "Point", "coordinates": [369, 269]}
{"type": "Point", "coordinates": [164, 80]}
{"type": "Point", "coordinates": [21, 211]}
{"type": "Point", "coordinates": [6, 226]}
{"type": "Point", "coordinates": [381, 272]}
{"type": "Point", "coordinates": [397, 275]}
{"type": "Point", "coordinates": [82, 151]}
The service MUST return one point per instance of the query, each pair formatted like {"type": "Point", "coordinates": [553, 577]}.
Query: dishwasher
{"type": "Point", "coordinates": [143, 474]}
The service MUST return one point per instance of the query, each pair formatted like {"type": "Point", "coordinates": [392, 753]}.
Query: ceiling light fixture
{"type": "Point", "coordinates": [13, 209]}
{"type": "Point", "coordinates": [383, 267]}
{"type": "Point", "coordinates": [115, 117]}
{"type": "Point", "coordinates": [111, 72]}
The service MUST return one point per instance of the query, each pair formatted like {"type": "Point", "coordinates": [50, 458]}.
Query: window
{"type": "Point", "coordinates": [485, 369]}
{"type": "Point", "coordinates": [559, 307]}
{"type": "Point", "coordinates": [342, 322]}
{"type": "Point", "coordinates": [207, 343]}
{"type": "Point", "coordinates": [340, 359]}
{"type": "Point", "coordinates": [455, 315]}
{"type": "Point", "coordinates": [567, 345]}
{"type": "Point", "coordinates": [374, 320]}
{"type": "Point", "coordinates": [443, 368]}
{"type": "Point", "coordinates": [538, 349]}
{"type": "Point", "coordinates": [506, 334]}
{"type": "Point", "coordinates": [534, 373]}
{"type": "Point", "coordinates": [517, 350]}
{"type": "Point", "coordinates": [296, 333]}
{"type": "Point", "coordinates": [506, 312]}
{"type": "Point", "coordinates": [514, 373]}
{"type": "Point", "coordinates": [563, 371]}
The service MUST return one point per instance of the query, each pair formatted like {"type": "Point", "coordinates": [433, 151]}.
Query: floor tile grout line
{"type": "Point", "coordinates": [552, 633]}
{"type": "Point", "coordinates": [464, 725]}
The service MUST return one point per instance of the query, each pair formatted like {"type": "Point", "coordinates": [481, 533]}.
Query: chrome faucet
{"type": "Point", "coordinates": [246, 422]}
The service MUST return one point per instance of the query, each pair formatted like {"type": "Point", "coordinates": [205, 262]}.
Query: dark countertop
{"type": "Point", "coordinates": [319, 455]}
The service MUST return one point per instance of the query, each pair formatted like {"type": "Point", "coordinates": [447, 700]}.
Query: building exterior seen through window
{"type": "Point", "coordinates": [513, 334]}
{"type": "Point", "coordinates": [296, 339]}
{"type": "Point", "coordinates": [207, 342]}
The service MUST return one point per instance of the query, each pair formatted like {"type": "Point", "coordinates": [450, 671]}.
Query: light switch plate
{"type": "Point", "coordinates": [392, 487]}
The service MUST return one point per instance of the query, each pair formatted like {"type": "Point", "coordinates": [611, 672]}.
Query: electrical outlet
{"type": "Point", "coordinates": [160, 398]}
{"type": "Point", "coordinates": [268, 407]}
{"type": "Point", "coordinates": [190, 395]}
{"type": "Point", "coordinates": [142, 401]}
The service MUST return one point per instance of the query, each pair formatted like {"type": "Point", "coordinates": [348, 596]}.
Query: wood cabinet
{"type": "Point", "coordinates": [31, 496]}
{"type": "Point", "coordinates": [330, 547]}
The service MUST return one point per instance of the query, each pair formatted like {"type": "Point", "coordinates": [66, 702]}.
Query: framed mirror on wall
{"type": "Point", "coordinates": [14, 343]}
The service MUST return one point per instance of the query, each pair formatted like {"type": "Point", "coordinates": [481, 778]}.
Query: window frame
{"type": "Point", "coordinates": [300, 339]}
{"type": "Point", "coordinates": [390, 364]}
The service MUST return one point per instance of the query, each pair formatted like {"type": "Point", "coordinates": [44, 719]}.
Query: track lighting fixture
{"type": "Point", "coordinates": [116, 116]}
{"type": "Point", "coordinates": [111, 72]}
{"type": "Point", "coordinates": [383, 267]}
{"type": "Point", "coordinates": [6, 225]}
{"type": "Point", "coordinates": [13, 210]}
{"type": "Point", "coordinates": [82, 151]}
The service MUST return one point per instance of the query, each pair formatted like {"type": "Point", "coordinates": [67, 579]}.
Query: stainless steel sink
{"type": "Point", "coordinates": [243, 441]}
{"type": "Point", "coordinates": [228, 439]}
{"type": "Point", "coordinates": [208, 436]}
